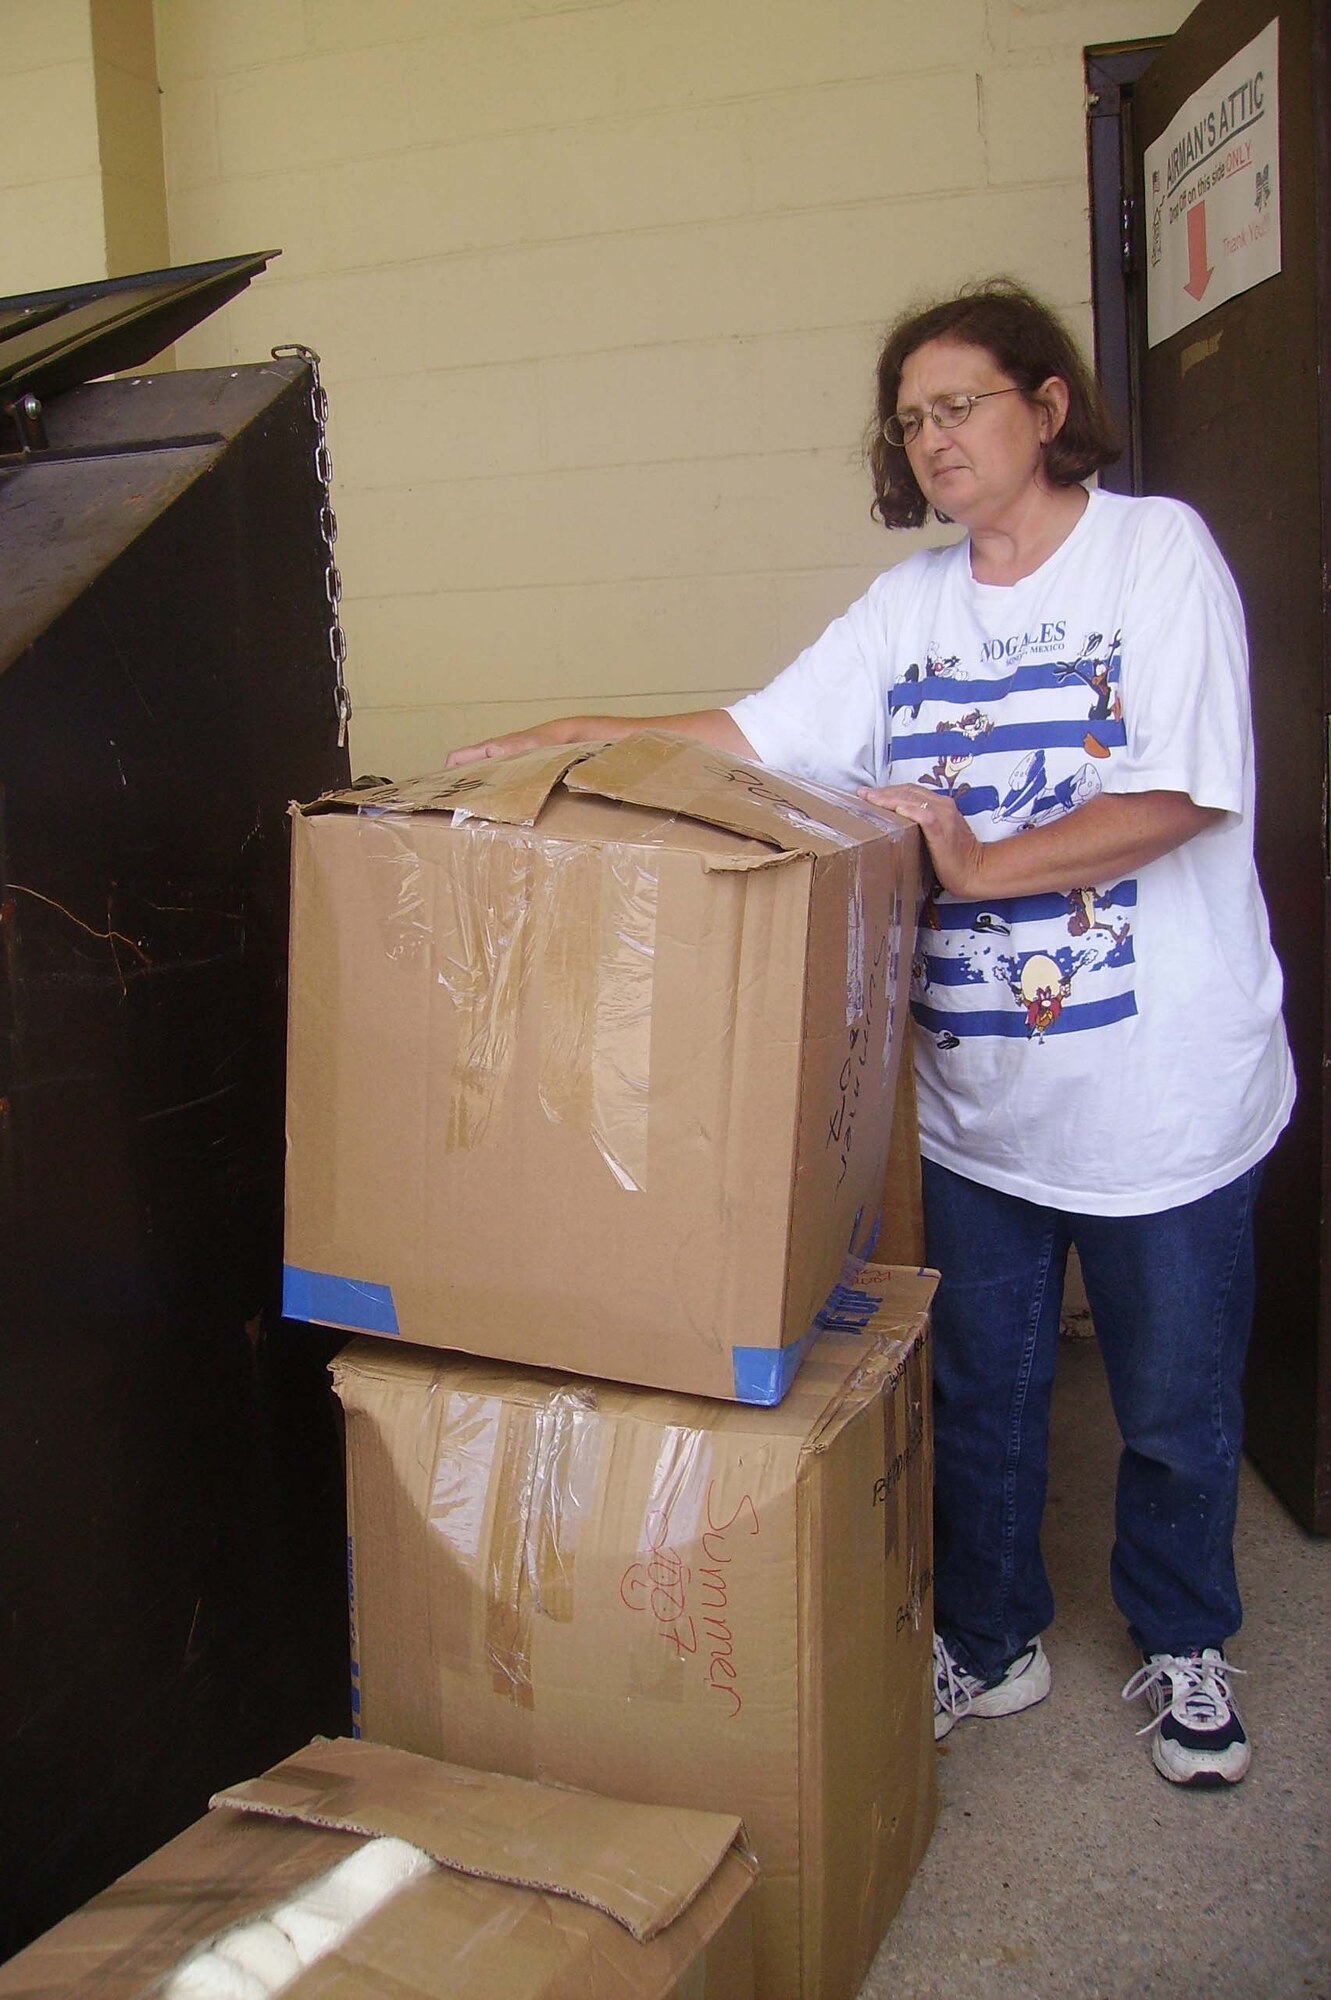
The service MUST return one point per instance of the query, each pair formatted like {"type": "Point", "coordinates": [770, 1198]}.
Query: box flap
{"type": "Point", "coordinates": [887, 1305]}
{"type": "Point", "coordinates": [653, 768]}
{"type": "Point", "coordinates": [511, 790]}
{"type": "Point", "coordinates": [642, 1865]}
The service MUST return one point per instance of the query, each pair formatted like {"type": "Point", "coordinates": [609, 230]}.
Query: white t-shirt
{"type": "Point", "coordinates": [1117, 1049]}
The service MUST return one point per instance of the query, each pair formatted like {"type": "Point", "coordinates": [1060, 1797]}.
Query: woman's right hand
{"type": "Point", "coordinates": [565, 729]}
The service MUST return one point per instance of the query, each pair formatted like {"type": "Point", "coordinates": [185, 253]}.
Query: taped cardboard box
{"type": "Point", "coordinates": [591, 1060]}
{"type": "Point", "coordinates": [507, 1888]}
{"type": "Point", "coordinates": [672, 1599]}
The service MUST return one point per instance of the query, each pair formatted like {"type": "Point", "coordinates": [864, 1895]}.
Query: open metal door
{"type": "Point", "coordinates": [1233, 415]}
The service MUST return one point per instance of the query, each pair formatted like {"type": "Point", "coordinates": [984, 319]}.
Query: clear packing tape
{"type": "Point", "coordinates": [539, 1461]}
{"type": "Point", "coordinates": [512, 920]}
{"type": "Point", "coordinates": [893, 978]}
{"type": "Point", "coordinates": [897, 1374]}
{"type": "Point", "coordinates": [260, 1957]}
{"type": "Point", "coordinates": [508, 903]}
{"type": "Point", "coordinates": [514, 1486]}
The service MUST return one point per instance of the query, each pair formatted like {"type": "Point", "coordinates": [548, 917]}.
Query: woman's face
{"type": "Point", "coordinates": [990, 464]}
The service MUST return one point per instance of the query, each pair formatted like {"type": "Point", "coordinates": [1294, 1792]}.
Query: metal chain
{"type": "Point", "coordinates": [323, 472]}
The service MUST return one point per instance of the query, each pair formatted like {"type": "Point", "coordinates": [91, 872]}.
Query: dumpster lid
{"type": "Point", "coordinates": [54, 340]}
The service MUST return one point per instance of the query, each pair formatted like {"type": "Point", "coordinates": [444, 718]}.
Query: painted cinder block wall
{"type": "Point", "coordinates": [129, 133]}
{"type": "Point", "coordinates": [52, 223]}
{"type": "Point", "coordinates": [82, 185]}
{"type": "Point", "coordinates": [597, 288]}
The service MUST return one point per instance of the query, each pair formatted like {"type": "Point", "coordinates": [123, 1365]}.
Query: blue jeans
{"type": "Point", "coordinates": [1171, 1298]}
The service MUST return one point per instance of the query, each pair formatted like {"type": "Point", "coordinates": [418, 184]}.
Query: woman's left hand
{"type": "Point", "coordinates": [955, 852]}
{"type": "Point", "coordinates": [1108, 838]}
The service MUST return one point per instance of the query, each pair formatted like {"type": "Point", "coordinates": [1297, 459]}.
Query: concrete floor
{"type": "Point", "coordinates": [1063, 1865]}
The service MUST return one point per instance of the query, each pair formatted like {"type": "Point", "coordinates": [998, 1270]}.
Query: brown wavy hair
{"type": "Point", "coordinates": [1028, 342]}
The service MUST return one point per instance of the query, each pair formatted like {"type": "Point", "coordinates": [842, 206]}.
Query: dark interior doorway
{"type": "Point", "coordinates": [1199, 410]}
{"type": "Point", "coordinates": [1111, 76]}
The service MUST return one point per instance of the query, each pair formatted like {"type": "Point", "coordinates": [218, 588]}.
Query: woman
{"type": "Point", "coordinates": [1101, 1055]}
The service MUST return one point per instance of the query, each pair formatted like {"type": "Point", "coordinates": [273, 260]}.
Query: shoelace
{"type": "Point", "coordinates": [1199, 1690]}
{"type": "Point", "coordinates": [953, 1688]}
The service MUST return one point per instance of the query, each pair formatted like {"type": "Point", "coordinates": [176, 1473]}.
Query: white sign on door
{"type": "Point", "coordinates": [1213, 192]}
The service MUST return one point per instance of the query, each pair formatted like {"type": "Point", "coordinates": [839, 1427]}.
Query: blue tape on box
{"type": "Point", "coordinates": [848, 1310]}
{"type": "Point", "coordinates": [349, 1302]}
{"type": "Point", "coordinates": [763, 1374]}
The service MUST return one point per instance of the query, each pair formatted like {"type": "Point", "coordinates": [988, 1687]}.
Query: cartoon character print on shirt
{"type": "Point", "coordinates": [975, 725]}
{"type": "Point", "coordinates": [1008, 949]}
{"type": "Point", "coordinates": [946, 774]}
{"type": "Point", "coordinates": [1028, 797]}
{"type": "Point", "coordinates": [935, 667]}
{"type": "Point", "coordinates": [1042, 987]}
{"type": "Point", "coordinates": [1040, 984]}
{"type": "Point", "coordinates": [1082, 918]}
{"type": "Point", "coordinates": [947, 770]}
{"type": "Point", "coordinates": [1099, 671]}
{"type": "Point", "coordinates": [1031, 799]}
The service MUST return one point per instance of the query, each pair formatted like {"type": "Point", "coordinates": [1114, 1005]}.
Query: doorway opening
{"type": "Point", "coordinates": [1112, 71]}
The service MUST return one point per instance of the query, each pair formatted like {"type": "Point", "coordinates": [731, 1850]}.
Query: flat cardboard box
{"type": "Point", "coordinates": [673, 1599]}
{"type": "Point", "coordinates": [541, 1893]}
{"type": "Point", "coordinates": [592, 1058]}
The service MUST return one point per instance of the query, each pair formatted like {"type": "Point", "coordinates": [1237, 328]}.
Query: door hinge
{"type": "Point", "coordinates": [1127, 217]}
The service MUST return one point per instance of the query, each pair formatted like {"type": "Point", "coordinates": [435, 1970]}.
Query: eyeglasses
{"type": "Point", "coordinates": [904, 426]}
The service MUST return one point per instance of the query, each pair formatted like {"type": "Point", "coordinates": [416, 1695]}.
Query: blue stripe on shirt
{"type": "Point", "coordinates": [965, 972]}
{"type": "Point", "coordinates": [1053, 908]}
{"type": "Point", "coordinates": [1005, 739]}
{"type": "Point", "coordinates": [957, 693]}
{"type": "Point", "coordinates": [989, 1021]}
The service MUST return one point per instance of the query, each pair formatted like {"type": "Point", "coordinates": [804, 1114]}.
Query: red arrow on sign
{"type": "Point", "coordinates": [1199, 271]}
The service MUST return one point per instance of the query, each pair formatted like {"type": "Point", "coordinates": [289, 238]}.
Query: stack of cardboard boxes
{"type": "Point", "coordinates": [592, 1062]}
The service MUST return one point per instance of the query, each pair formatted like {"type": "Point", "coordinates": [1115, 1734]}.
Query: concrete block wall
{"type": "Point", "coordinates": [129, 128]}
{"type": "Point", "coordinates": [598, 286]}
{"type": "Point", "coordinates": [82, 187]}
{"type": "Point", "coordinates": [52, 224]}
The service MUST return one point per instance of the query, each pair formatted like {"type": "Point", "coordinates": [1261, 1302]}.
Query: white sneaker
{"type": "Point", "coordinates": [1197, 1737]}
{"type": "Point", "coordinates": [956, 1693]}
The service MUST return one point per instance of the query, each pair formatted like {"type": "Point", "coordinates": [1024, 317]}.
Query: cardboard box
{"type": "Point", "coordinates": [541, 1894]}
{"type": "Point", "coordinates": [591, 1060]}
{"type": "Point", "coordinates": [901, 1238]}
{"type": "Point", "coordinates": [672, 1599]}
